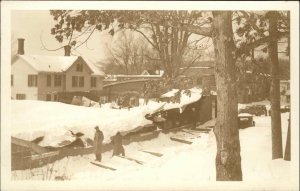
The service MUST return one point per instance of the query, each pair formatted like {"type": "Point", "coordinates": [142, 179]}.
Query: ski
{"type": "Point", "coordinates": [181, 140]}
{"type": "Point", "coordinates": [186, 131]}
{"type": "Point", "coordinates": [202, 130]}
{"type": "Point", "coordinates": [131, 159]}
{"type": "Point", "coordinates": [153, 153]}
{"type": "Point", "coordinates": [102, 166]}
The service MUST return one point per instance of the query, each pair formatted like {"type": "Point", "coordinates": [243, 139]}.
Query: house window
{"type": "Point", "coordinates": [55, 97]}
{"type": "Point", "coordinates": [74, 81]}
{"type": "Point", "coordinates": [199, 81]}
{"type": "Point", "coordinates": [93, 81]}
{"type": "Point", "coordinates": [81, 81]}
{"type": "Point", "coordinates": [57, 80]}
{"type": "Point", "coordinates": [20, 96]}
{"type": "Point", "coordinates": [32, 80]}
{"type": "Point", "coordinates": [12, 80]}
{"type": "Point", "coordinates": [48, 80]}
{"type": "Point", "coordinates": [48, 97]}
{"type": "Point", "coordinates": [77, 81]}
{"type": "Point", "coordinates": [79, 67]}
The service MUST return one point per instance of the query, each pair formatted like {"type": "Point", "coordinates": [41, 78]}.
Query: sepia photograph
{"type": "Point", "coordinates": [137, 96]}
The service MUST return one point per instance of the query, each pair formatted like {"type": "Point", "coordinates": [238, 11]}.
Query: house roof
{"type": "Point", "coordinates": [96, 70]}
{"type": "Point", "coordinates": [152, 72]}
{"type": "Point", "coordinates": [196, 94]}
{"type": "Point", "coordinates": [56, 63]}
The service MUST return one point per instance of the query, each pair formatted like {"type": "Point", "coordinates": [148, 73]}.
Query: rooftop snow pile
{"type": "Point", "coordinates": [185, 99]}
{"type": "Point", "coordinates": [31, 119]}
{"type": "Point", "coordinates": [54, 120]}
{"type": "Point", "coordinates": [57, 63]}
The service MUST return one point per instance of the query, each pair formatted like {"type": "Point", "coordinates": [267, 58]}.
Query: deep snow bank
{"type": "Point", "coordinates": [31, 119]}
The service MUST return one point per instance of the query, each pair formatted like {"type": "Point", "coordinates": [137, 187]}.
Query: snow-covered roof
{"type": "Point", "coordinates": [56, 63]}
{"type": "Point", "coordinates": [284, 81]}
{"type": "Point", "coordinates": [49, 63]}
{"type": "Point", "coordinates": [196, 94]}
{"type": "Point", "coordinates": [170, 93]}
{"type": "Point", "coordinates": [139, 76]}
{"type": "Point", "coordinates": [96, 70]}
{"type": "Point", "coordinates": [198, 67]}
{"type": "Point", "coordinates": [152, 72]}
{"type": "Point", "coordinates": [213, 92]}
{"type": "Point", "coordinates": [245, 115]}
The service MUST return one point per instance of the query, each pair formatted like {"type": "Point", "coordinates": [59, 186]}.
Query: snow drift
{"type": "Point", "coordinates": [53, 120]}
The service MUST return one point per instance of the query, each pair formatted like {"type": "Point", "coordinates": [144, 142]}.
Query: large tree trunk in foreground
{"type": "Point", "coordinates": [287, 152]}
{"type": "Point", "coordinates": [275, 88]}
{"type": "Point", "coordinates": [228, 159]}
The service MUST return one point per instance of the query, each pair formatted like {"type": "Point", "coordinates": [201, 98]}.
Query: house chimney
{"type": "Point", "coordinates": [67, 50]}
{"type": "Point", "coordinates": [21, 46]}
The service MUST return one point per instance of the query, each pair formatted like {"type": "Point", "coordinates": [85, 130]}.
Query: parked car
{"type": "Point", "coordinates": [254, 110]}
{"type": "Point", "coordinates": [285, 108]}
{"type": "Point", "coordinates": [245, 120]}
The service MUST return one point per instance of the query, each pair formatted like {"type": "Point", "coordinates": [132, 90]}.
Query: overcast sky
{"type": "Point", "coordinates": [36, 25]}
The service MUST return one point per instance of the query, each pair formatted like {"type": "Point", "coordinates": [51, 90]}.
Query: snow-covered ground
{"type": "Point", "coordinates": [53, 120]}
{"type": "Point", "coordinates": [180, 165]}
{"type": "Point", "coordinates": [180, 162]}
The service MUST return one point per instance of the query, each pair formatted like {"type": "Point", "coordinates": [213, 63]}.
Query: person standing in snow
{"type": "Point", "coordinates": [98, 140]}
{"type": "Point", "coordinates": [194, 117]}
{"type": "Point", "coordinates": [118, 145]}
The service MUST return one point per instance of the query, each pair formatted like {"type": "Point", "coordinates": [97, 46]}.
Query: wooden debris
{"type": "Point", "coordinates": [183, 130]}
{"type": "Point", "coordinates": [153, 153]}
{"type": "Point", "coordinates": [36, 148]}
{"type": "Point", "coordinates": [102, 166]}
{"type": "Point", "coordinates": [180, 140]}
{"type": "Point", "coordinates": [202, 130]}
{"type": "Point", "coordinates": [44, 155]}
{"type": "Point", "coordinates": [131, 159]}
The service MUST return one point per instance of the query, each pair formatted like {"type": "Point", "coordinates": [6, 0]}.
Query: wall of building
{"type": "Point", "coordinates": [44, 89]}
{"type": "Point", "coordinates": [20, 71]}
{"type": "Point", "coordinates": [99, 84]}
{"type": "Point", "coordinates": [118, 88]}
{"type": "Point", "coordinates": [86, 73]}
{"type": "Point", "coordinates": [284, 91]}
{"type": "Point", "coordinates": [201, 76]}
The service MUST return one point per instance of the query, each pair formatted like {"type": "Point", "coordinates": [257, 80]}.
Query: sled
{"type": "Point", "coordinates": [102, 166]}
{"type": "Point", "coordinates": [153, 153]}
{"type": "Point", "coordinates": [181, 140]}
{"type": "Point", "coordinates": [131, 159]}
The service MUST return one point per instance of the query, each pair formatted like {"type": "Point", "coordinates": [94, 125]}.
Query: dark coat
{"type": "Point", "coordinates": [98, 140]}
{"type": "Point", "coordinates": [117, 144]}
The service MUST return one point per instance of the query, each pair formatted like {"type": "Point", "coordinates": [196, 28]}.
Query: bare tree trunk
{"type": "Point", "coordinates": [228, 159]}
{"type": "Point", "coordinates": [275, 89]}
{"type": "Point", "coordinates": [287, 152]}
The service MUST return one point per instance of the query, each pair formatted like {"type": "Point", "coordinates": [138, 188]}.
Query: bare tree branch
{"type": "Point", "coordinates": [248, 47]}
{"type": "Point", "coordinates": [146, 38]}
{"type": "Point", "coordinates": [189, 65]}
{"type": "Point", "coordinates": [44, 47]}
{"type": "Point", "coordinates": [85, 39]}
